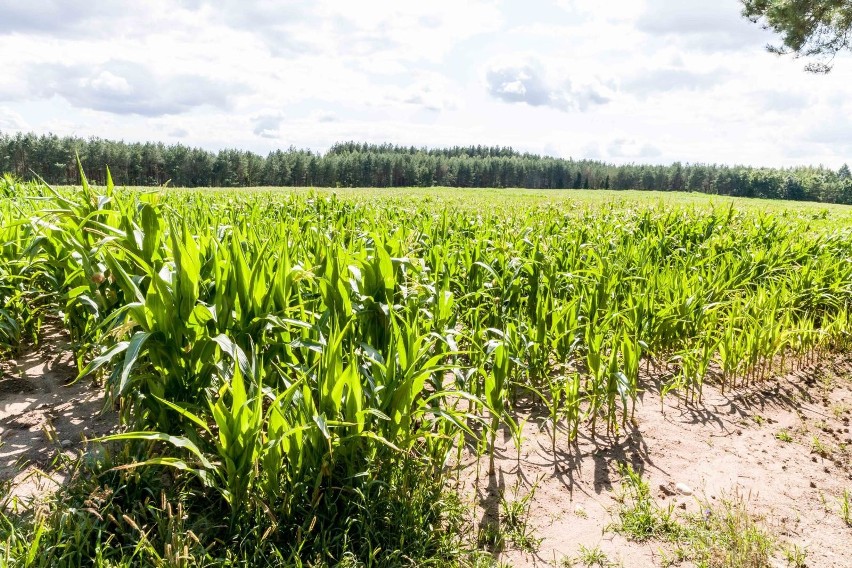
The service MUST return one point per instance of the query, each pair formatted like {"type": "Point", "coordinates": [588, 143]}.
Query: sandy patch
{"type": "Point", "coordinates": [726, 446]}
{"type": "Point", "coordinates": [44, 416]}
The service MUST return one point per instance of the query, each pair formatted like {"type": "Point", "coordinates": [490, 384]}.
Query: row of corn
{"type": "Point", "coordinates": [284, 347]}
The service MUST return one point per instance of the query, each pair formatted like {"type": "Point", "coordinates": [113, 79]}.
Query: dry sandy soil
{"type": "Point", "coordinates": [44, 417]}
{"type": "Point", "coordinates": [722, 449]}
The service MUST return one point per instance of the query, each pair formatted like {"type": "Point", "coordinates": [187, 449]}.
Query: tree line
{"type": "Point", "coordinates": [352, 164]}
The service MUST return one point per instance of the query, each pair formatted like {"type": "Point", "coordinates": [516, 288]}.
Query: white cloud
{"type": "Point", "coordinates": [386, 32]}
{"type": "Point", "coordinates": [612, 10]}
{"type": "Point", "coordinates": [626, 80]}
{"type": "Point", "coordinates": [528, 82]}
{"type": "Point", "coordinates": [428, 91]}
{"type": "Point", "coordinates": [11, 120]}
{"type": "Point", "coordinates": [784, 102]}
{"type": "Point", "coordinates": [179, 133]}
{"type": "Point", "coordinates": [125, 87]}
{"type": "Point", "coordinates": [632, 149]}
{"type": "Point", "coordinates": [107, 82]}
{"type": "Point", "coordinates": [267, 126]}
{"type": "Point", "coordinates": [707, 26]}
{"type": "Point", "coordinates": [649, 81]}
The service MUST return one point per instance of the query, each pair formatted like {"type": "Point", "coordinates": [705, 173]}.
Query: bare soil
{"type": "Point", "coordinates": [45, 417]}
{"type": "Point", "coordinates": [727, 447]}
{"type": "Point", "coordinates": [731, 444]}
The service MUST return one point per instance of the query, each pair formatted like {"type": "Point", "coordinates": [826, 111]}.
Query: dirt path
{"type": "Point", "coordinates": [756, 445]}
{"type": "Point", "coordinates": [43, 416]}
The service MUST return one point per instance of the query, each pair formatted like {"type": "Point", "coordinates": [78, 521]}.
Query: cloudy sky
{"type": "Point", "coordinates": [621, 80]}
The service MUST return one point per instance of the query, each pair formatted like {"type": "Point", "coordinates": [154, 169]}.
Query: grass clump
{"type": "Point", "coordinates": [140, 517]}
{"type": "Point", "coordinates": [846, 507]}
{"type": "Point", "coordinates": [727, 536]}
{"type": "Point", "coordinates": [784, 436]}
{"type": "Point", "coordinates": [819, 448]}
{"type": "Point", "coordinates": [515, 516]}
{"type": "Point", "coordinates": [639, 517]}
{"type": "Point", "coordinates": [593, 557]}
{"type": "Point", "coordinates": [724, 535]}
{"type": "Point", "coordinates": [512, 525]}
{"type": "Point", "coordinates": [795, 556]}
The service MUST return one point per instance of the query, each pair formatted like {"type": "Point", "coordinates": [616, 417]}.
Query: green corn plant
{"type": "Point", "coordinates": [496, 392]}
{"type": "Point", "coordinates": [572, 405]}
{"type": "Point", "coordinates": [597, 373]}
{"type": "Point", "coordinates": [292, 348]}
{"type": "Point", "coordinates": [235, 437]}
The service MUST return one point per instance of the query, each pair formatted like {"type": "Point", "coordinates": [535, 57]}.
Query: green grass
{"type": "Point", "coordinates": [639, 516]}
{"type": "Point", "coordinates": [795, 556]}
{"type": "Point", "coordinates": [515, 514]}
{"type": "Point", "coordinates": [593, 557]}
{"type": "Point", "coordinates": [819, 214]}
{"type": "Point", "coordinates": [784, 436]}
{"type": "Point", "coordinates": [726, 534]}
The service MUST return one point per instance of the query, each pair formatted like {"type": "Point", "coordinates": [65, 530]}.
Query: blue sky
{"type": "Point", "coordinates": [623, 80]}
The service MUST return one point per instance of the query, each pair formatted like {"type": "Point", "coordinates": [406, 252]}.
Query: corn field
{"type": "Point", "coordinates": [280, 352]}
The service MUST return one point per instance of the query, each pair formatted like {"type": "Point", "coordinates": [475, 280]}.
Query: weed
{"type": "Point", "coordinates": [639, 516]}
{"type": "Point", "coordinates": [724, 534]}
{"type": "Point", "coordinates": [795, 556]}
{"type": "Point", "coordinates": [728, 536]}
{"type": "Point", "coordinates": [593, 557]}
{"type": "Point", "coordinates": [819, 448]}
{"type": "Point", "coordinates": [491, 537]}
{"type": "Point", "coordinates": [515, 520]}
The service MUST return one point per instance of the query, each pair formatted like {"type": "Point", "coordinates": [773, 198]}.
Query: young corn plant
{"type": "Point", "coordinates": [496, 394]}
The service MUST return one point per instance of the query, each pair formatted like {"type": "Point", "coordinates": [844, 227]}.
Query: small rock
{"type": "Point", "coordinates": [682, 506]}
{"type": "Point", "coordinates": [579, 510]}
{"type": "Point", "coordinates": [66, 443]}
{"type": "Point", "coordinates": [683, 489]}
{"type": "Point", "coordinates": [813, 485]}
{"type": "Point", "coordinates": [666, 490]}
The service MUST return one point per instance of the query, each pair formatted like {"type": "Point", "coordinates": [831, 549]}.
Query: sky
{"type": "Point", "coordinates": [644, 81]}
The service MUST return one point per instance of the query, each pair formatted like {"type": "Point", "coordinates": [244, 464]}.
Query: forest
{"type": "Point", "coordinates": [352, 164]}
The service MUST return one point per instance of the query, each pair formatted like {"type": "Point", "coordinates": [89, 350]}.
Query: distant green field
{"type": "Point", "coordinates": [492, 199]}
